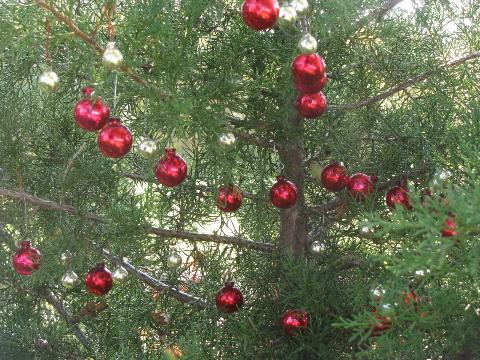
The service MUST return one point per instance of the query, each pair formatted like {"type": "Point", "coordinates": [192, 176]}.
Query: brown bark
{"type": "Point", "coordinates": [293, 230]}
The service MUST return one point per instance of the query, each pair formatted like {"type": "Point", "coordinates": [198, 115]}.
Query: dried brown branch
{"type": "Point", "coordinates": [154, 283]}
{"type": "Point", "coordinates": [57, 304]}
{"type": "Point", "coordinates": [405, 84]}
{"type": "Point", "coordinates": [191, 236]}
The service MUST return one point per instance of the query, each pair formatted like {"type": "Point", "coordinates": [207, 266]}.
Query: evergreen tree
{"type": "Point", "coordinates": [376, 282]}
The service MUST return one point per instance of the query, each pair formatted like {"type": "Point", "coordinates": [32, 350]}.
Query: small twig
{"type": "Point", "coordinates": [56, 303]}
{"type": "Point", "coordinates": [51, 205]}
{"type": "Point", "coordinates": [154, 283]}
{"type": "Point", "coordinates": [405, 84]}
{"type": "Point", "coordinates": [378, 14]}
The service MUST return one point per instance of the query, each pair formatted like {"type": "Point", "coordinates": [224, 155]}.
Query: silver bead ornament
{"type": "Point", "coordinates": [317, 247]}
{"type": "Point", "coordinates": [287, 16]}
{"type": "Point", "coordinates": [120, 274]}
{"type": "Point", "coordinates": [112, 57]}
{"type": "Point", "coordinates": [49, 81]}
{"type": "Point", "coordinates": [174, 260]}
{"type": "Point", "coordinates": [70, 280]}
{"type": "Point", "coordinates": [226, 139]}
{"type": "Point", "coordinates": [300, 6]}
{"type": "Point", "coordinates": [147, 147]}
{"type": "Point", "coordinates": [307, 44]}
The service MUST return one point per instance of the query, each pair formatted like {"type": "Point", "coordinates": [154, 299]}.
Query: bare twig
{"type": "Point", "coordinates": [191, 236]}
{"type": "Point", "coordinates": [378, 14]}
{"type": "Point", "coordinates": [56, 303]}
{"type": "Point", "coordinates": [154, 283]}
{"type": "Point", "coordinates": [405, 84]}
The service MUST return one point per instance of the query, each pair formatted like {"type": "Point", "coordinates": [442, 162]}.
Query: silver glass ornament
{"type": "Point", "coordinates": [66, 257]}
{"type": "Point", "coordinates": [49, 81]}
{"type": "Point", "coordinates": [387, 309]}
{"type": "Point", "coordinates": [307, 44]}
{"type": "Point", "coordinates": [226, 139]}
{"type": "Point", "coordinates": [366, 231]}
{"type": "Point", "coordinates": [287, 16]}
{"type": "Point", "coordinates": [174, 260]}
{"type": "Point", "coordinates": [70, 280]}
{"type": "Point", "coordinates": [317, 247]}
{"type": "Point", "coordinates": [112, 57]}
{"type": "Point", "coordinates": [147, 147]}
{"type": "Point", "coordinates": [120, 274]}
{"type": "Point", "coordinates": [300, 6]}
{"type": "Point", "coordinates": [377, 293]}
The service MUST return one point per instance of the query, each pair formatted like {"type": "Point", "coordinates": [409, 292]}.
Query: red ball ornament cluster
{"type": "Point", "coordinates": [99, 280]}
{"type": "Point", "coordinates": [294, 321]}
{"type": "Point", "coordinates": [114, 140]}
{"type": "Point", "coordinates": [283, 193]}
{"type": "Point", "coordinates": [171, 170]}
{"type": "Point", "coordinates": [26, 260]}
{"type": "Point", "coordinates": [229, 198]}
{"type": "Point", "coordinates": [229, 299]}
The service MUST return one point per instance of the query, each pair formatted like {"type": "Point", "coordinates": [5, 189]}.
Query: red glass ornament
{"type": "Point", "coordinates": [115, 140]}
{"type": "Point", "coordinates": [260, 14]}
{"type": "Point", "coordinates": [311, 106]}
{"type": "Point", "coordinates": [27, 259]}
{"type": "Point", "coordinates": [229, 198]}
{"type": "Point", "coordinates": [361, 186]}
{"type": "Point", "coordinates": [334, 177]}
{"type": "Point", "coordinates": [229, 299]}
{"type": "Point", "coordinates": [283, 193]}
{"type": "Point", "coordinates": [450, 229]}
{"type": "Point", "coordinates": [171, 170]}
{"type": "Point", "coordinates": [308, 69]}
{"type": "Point", "coordinates": [398, 195]}
{"type": "Point", "coordinates": [91, 116]}
{"type": "Point", "coordinates": [381, 325]}
{"type": "Point", "coordinates": [410, 296]}
{"type": "Point", "coordinates": [311, 88]}
{"type": "Point", "coordinates": [99, 280]}
{"type": "Point", "coordinates": [294, 321]}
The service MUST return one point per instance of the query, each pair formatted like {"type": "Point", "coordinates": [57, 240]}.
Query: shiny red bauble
{"type": "Point", "coordinates": [294, 321]}
{"type": "Point", "coordinates": [115, 140]}
{"type": "Point", "coordinates": [99, 280]}
{"type": "Point", "coordinates": [311, 106]}
{"type": "Point", "coordinates": [398, 196]}
{"type": "Point", "coordinates": [27, 259]}
{"type": "Point", "coordinates": [450, 228]}
{"type": "Point", "coordinates": [260, 14]}
{"type": "Point", "coordinates": [334, 177]}
{"type": "Point", "coordinates": [171, 170]}
{"type": "Point", "coordinates": [89, 115]}
{"type": "Point", "coordinates": [229, 299]}
{"type": "Point", "coordinates": [283, 193]}
{"type": "Point", "coordinates": [308, 69]}
{"type": "Point", "coordinates": [229, 198]}
{"type": "Point", "coordinates": [311, 88]}
{"type": "Point", "coordinates": [361, 186]}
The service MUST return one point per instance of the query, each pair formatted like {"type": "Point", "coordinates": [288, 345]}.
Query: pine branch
{"type": "Point", "coordinates": [56, 303]}
{"type": "Point", "coordinates": [405, 84]}
{"type": "Point", "coordinates": [51, 205]}
{"type": "Point", "coordinates": [154, 283]}
{"type": "Point", "coordinates": [378, 14]}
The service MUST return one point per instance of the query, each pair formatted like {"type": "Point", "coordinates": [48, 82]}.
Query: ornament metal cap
{"type": "Point", "coordinates": [230, 284]}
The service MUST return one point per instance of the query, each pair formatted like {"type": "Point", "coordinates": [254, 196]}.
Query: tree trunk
{"type": "Point", "coordinates": [293, 231]}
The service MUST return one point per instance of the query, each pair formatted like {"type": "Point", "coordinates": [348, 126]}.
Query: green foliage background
{"type": "Point", "coordinates": [212, 65]}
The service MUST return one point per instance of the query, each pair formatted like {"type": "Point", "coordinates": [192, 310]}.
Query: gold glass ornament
{"type": "Point", "coordinates": [286, 16]}
{"type": "Point", "coordinates": [49, 81]}
{"type": "Point", "coordinates": [307, 44]}
{"type": "Point", "coordinates": [226, 139]}
{"type": "Point", "coordinates": [120, 274]}
{"type": "Point", "coordinates": [70, 280]}
{"type": "Point", "coordinates": [112, 57]}
{"type": "Point", "coordinates": [300, 6]}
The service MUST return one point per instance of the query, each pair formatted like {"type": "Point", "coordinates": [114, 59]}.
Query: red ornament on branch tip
{"type": "Point", "coordinates": [311, 106]}
{"type": "Point", "coordinates": [99, 280]}
{"type": "Point", "coordinates": [115, 140]}
{"type": "Point", "coordinates": [308, 69]}
{"type": "Point", "coordinates": [171, 170]}
{"type": "Point", "coordinates": [334, 177]}
{"type": "Point", "coordinates": [89, 115]}
{"type": "Point", "coordinates": [294, 321]}
{"type": "Point", "coordinates": [450, 228]}
{"type": "Point", "coordinates": [26, 260]}
{"type": "Point", "coordinates": [283, 193]}
{"type": "Point", "coordinates": [229, 198]}
{"type": "Point", "coordinates": [361, 186]}
{"type": "Point", "coordinates": [260, 14]}
{"type": "Point", "coordinates": [229, 299]}
{"type": "Point", "coordinates": [398, 195]}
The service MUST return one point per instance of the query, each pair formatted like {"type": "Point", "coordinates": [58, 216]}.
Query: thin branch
{"type": "Point", "coordinates": [378, 14]}
{"type": "Point", "coordinates": [56, 303]}
{"type": "Point", "coordinates": [99, 49]}
{"type": "Point", "coordinates": [154, 283]}
{"type": "Point", "coordinates": [405, 84]}
{"type": "Point", "coordinates": [51, 205]}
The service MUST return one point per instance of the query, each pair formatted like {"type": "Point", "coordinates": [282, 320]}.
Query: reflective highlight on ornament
{"type": "Point", "coordinates": [171, 170]}
{"type": "Point", "coordinates": [260, 14]}
{"type": "Point", "coordinates": [70, 280]}
{"type": "Point", "coordinates": [229, 299]}
{"type": "Point", "coordinates": [174, 259]}
{"type": "Point", "coordinates": [286, 16]}
{"type": "Point", "coordinates": [26, 260]}
{"type": "Point", "coordinates": [226, 139]}
{"type": "Point", "coordinates": [317, 247]}
{"type": "Point", "coordinates": [147, 147]}
{"type": "Point", "coordinates": [120, 274]}
{"type": "Point", "coordinates": [115, 140]}
{"type": "Point", "coordinates": [49, 81]}
{"type": "Point", "coordinates": [229, 198]}
{"type": "Point", "coordinates": [294, 321]}
{"type": "Point", "coordinates": [91, 116]}
{"type": "Point", "coordinates": [99, 280]}
{"type": "Point", "coordinates": [307, 44]}
{"type": "Point", "coordinates": [112, 57]}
